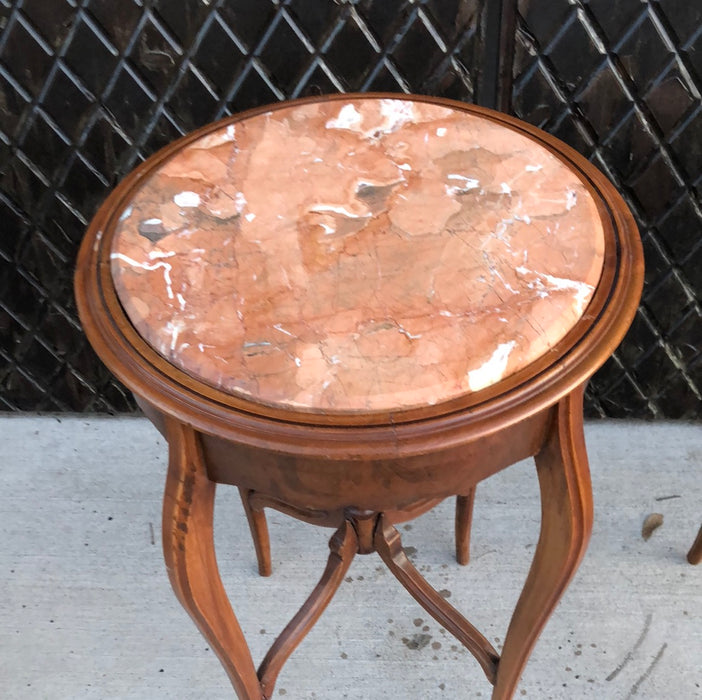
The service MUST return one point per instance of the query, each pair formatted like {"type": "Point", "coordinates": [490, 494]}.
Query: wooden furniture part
{"type": "Point", "coordinates": [694, 556]}
{"type": "Point", "coordinates": [351, 308]}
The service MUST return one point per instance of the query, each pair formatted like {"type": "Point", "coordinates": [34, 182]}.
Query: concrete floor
{"type": "Point", "coordinates": [86, 610]}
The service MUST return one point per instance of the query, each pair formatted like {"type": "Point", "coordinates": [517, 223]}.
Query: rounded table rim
{"type": "Point", "coordinates": [540, 384]}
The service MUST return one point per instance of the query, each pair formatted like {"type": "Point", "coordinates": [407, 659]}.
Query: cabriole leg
{"type": "Point", "coordinates": [188, 547]}
{"type": "Point", "coordinates": [566, 522]}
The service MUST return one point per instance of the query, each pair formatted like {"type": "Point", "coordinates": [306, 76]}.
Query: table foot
{"type": "Point", "coordinates": [343, 546]}
{"type": "Point", "coordinates": [464, 519]}
{"type": "Point", "coordinates": [694, 556]}
{"type": "Point", "coordinates": [188, 547]}
{"type": "Point", "coordinates": [566, 522]}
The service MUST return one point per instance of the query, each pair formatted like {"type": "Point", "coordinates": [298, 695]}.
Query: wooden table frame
{"type": "Point", "coordinates": [363, 474]}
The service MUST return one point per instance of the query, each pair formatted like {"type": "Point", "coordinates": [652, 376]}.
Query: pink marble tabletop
{"type": "Point", "coordinates": [360, 255]}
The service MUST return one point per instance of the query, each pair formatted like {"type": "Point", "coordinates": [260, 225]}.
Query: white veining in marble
{"type": "Point", "coordinates": [369, 255]}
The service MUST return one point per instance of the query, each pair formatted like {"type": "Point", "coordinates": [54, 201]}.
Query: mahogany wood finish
{"type": "Point", "coordinates": [694, 556]}
{"type": "Point", "coordinates": [566, 523]}
{"type": "Point", "coordinates": [259, 532]}
{"type": "Point", "coordinates": [464, 519]}
{"type": "Point", "coordinates": [188, 546]}
{"type": "Point", "coordinates": [343, 546]}
{"type": "Point", "coordinates": [362, 474]}
{"type": "Point", "coordinates": [389, 546]}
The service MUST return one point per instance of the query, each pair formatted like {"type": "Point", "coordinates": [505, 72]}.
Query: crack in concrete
{"type": "Point", "coordinates": [630, 654]}
{"type": "Point", "coordinates": [635, 688]}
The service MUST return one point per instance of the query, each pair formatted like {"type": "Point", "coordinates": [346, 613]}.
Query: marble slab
{"type": "Point", "coordinates": [358, 256]}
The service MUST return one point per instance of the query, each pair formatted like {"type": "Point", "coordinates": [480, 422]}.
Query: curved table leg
{"type": "Point", "coordinates": [343, 546]}
{"type": "Point", "coordinates": [188, 548]}
{"type": "Point", "coordinates": [389, 547]}
{"type": "Point", "coordinates": [464, 519]}
{"type": "Point", "coordinates": [566, 522]}
{"type": "Point", "coordinates": [259, 532]}
{"type": "Point", "coordinates": [694, 556]}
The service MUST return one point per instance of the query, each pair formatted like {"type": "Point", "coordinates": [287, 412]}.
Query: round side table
{"type": "Point", "coordinates": [352, 307]}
